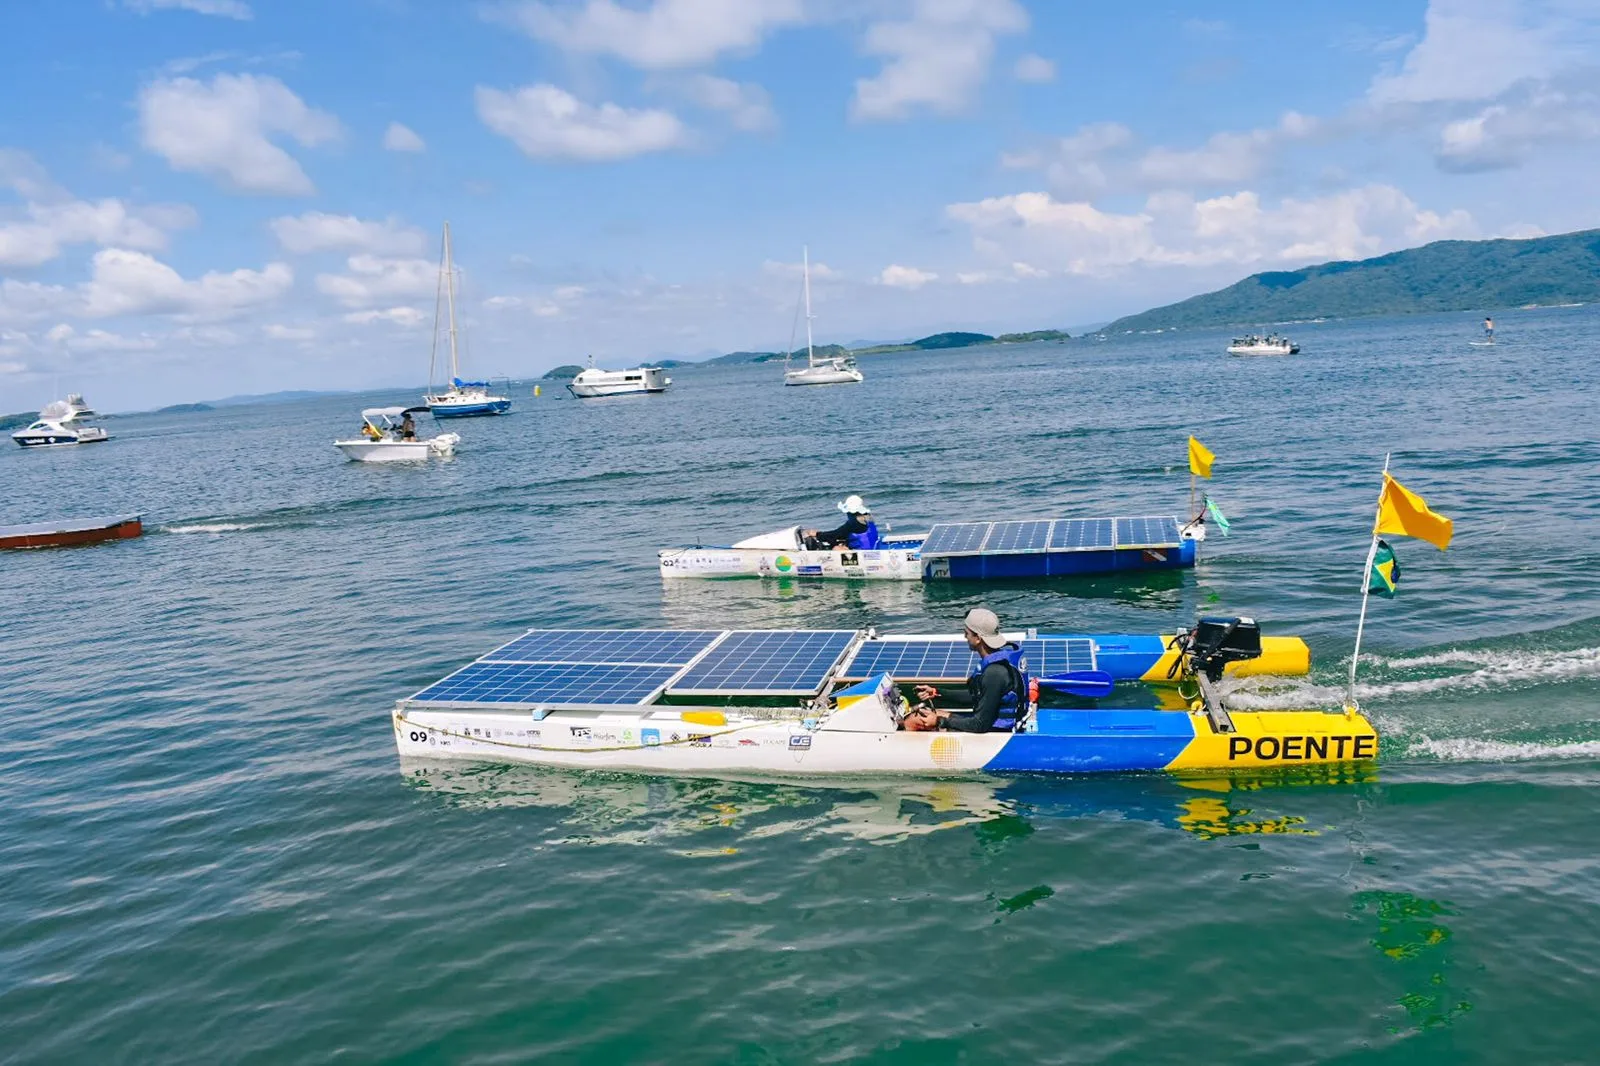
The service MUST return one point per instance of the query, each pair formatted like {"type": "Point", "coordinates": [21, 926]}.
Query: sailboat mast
{"type": "Point", "coordinates": [805, 255]}
{"type": "Point", "coordinates": [450, 291]}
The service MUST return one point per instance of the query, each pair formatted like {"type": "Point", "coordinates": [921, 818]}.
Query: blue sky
{"type": "Point", "coordinates": [205, 197]}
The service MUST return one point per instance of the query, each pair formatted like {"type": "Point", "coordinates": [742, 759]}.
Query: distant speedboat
{"type": "Point", "coordinates": [830, 369]}
{"type": "Point", "coordinates": [381, 440]}
{"type": "Point", "coordinates": [461, 398]}
{"type": "Point", "coordinates": [1268, 345]}
{"type": "Point", "coordinates": [593, 382]}
{"type": "Point", "coordinates": [60, 423]}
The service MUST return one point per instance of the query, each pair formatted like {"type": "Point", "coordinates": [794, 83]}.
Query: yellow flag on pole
{"type": "Point", "coordinates": [1403, 512]}
{"type": "Point", "coordinates": [1200, 458]}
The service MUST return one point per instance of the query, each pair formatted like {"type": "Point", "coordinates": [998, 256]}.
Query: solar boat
{"type": "Point", "coordinates": [831, 702]}
{"type": "Point", "coordinates": [1033, 548]}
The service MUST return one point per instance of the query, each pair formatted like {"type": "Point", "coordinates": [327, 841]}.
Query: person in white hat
{"type": "Point", "coordinates": [998, 690]}
{"type": "Point", "coordinates": [858, 531]}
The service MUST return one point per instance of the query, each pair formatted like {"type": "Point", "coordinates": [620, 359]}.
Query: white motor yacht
{"type": "Point", "coordinates": [381, 439]}
{"type": "Point", "coordinates": [593, 382]}
{"type": "Point", "coordinates": [1272, 344]}
{"type": "Point", "coordinates": [61, 422]}
{"type": "Point", "coordinates": [830, 369]}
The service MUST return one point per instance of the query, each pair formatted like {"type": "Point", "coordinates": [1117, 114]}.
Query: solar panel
{"type": "Point", "coordinates": [767, 663]}
{"type": "Point", "coordinates": [657, 647]}
{"type": "Point", "coordinates": [1031, 536]}
{"type": "Point", "coordinates": [1081, 534]}
{"type": "Point", "coordinates": [955, 538]}
{"type": "Point", "coordinates": [1150, 532]}
{"type": "Point", "coordinates": [926, 659]}
{"type": "Point", "coordinates": [549, 684]}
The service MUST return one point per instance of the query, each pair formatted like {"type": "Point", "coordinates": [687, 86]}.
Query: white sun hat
{"type": "Point", "coordinates": [854, 505]}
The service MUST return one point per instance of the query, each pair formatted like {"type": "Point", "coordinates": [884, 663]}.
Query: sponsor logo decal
{"type": "Point", "coordinates": [1301, 748]}
{"type": "Point", "coordinates": [800, 742]}
{"type": "Point", "coordinates": [783, 563]}
{"type": "Point", "coordinates": [700, 740]}
{"type": "Point", "coordinates": [746, 742]}
{"type": "Point", "coordinates": [649, 737]}
{"type": "Point", "coordinates": [809, 571]}
{"type": "Point", "coordinates": [1153, 556]}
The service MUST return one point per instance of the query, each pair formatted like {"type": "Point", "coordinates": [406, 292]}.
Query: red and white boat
{"type": "Point", "coordinates": [67, 532]}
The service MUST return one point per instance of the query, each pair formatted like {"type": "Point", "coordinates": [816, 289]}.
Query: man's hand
{"type": "Point", "coordinates": [927, 692]}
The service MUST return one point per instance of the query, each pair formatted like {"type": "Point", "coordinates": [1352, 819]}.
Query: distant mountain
{"type": "Point", "coordinates": [184, 409]}
{"type": "Point", "coordinates": [287, 396]}
{"type": "Point", "coordinates": [1443, 276]}
{"type": "Point", "coordinates": [17, 421]}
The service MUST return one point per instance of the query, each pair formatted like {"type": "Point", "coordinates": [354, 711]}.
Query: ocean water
{"type": "Point", "coordinates": [210, 852]}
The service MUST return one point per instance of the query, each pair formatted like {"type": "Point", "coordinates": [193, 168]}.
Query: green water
{"type": "Point", "coordinates": [210, 852]}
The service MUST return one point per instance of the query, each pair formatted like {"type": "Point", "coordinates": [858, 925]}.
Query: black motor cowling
{"type": "Point", "coordinates": [1215, 642]}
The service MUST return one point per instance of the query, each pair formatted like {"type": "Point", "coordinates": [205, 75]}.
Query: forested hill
{"type": "Point", "coordinates": [1443, 276]}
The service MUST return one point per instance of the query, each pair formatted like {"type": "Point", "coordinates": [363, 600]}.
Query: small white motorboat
{"type": "Point", "coordinates": [593, 382]}
{"type": "Point", "coordinates": [830, 369]}
{"type": "Point", "coordinates": [382, 439]}
{"type": "Point", "coordinates": [61, 423]}
{"type": "Point", "coordinates": [461, 398]}
{"type": "Point", "coordinates": [1272, 344]}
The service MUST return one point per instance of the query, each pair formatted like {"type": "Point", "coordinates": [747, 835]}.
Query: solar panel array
{"type": "Point", "coordinates": [767, 663]}
{"type": "Point", "coordinates": [623, 668]}
{"type": "Point", "coordinates": [922, 659]}
{"type": "Point", "coordinates": [1057, 535]}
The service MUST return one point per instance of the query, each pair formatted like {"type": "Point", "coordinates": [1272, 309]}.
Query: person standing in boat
{"type": "Point", "coordinates": [859, 530]}
{"type": "Point", "coordinates": [408, 428]}
{"type": "Point", "coordinates": [998, 692]}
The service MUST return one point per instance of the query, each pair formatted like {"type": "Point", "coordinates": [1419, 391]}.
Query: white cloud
{"type": "Point", "coordinates": [1034, 68]}
{"type": "Point", "coordinates": [1506, 134]}
{"type": "Point", "coordinates": [746, 104]}
{"type": "Point", "coordinates": [1477, 49]}
{"type": "Point", "coordinates": [819, 271]}
{"type": "Point", "coordinates": [937, 59]}
{"type": "Point", "coordinates": [375, 279]}
{"type": "Point", "coordinates": [1076, 166]}
{"type": "Point", "coordinates": [398, 138]}
{"type": "Point", "coordinates": [233, 9]}
{"type": "Point", "coordinates": [279, 332]}
{"type": "Point", "coordinates": [1174, 229]}
{"type": "Point", "coordinates": [546, 122]}
{"type": "Point", "coordinates": [662, 35]}
{"type": "Point", "coordinates": [903, 277]}
{"type": "Point", "coordinates": [404, 317]}
{"type": "Point", "coordinates": [23, 175]}
{"type": "Point", "coordinates": [131, 283]}
{"type": "Point", "coordinates": [49, 227]}
{"type": "Point", "coordinates": [99, 340]}
{"type": "Point", "coordinates": [29, 301]}
{"type": "Point", "coordinates": [223, 129]}
{"type": "Point", "coordinates": [316, 231]}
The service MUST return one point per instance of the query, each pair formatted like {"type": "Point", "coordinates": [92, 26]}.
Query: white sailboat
{"type": "Point", "coordinates": [461, 398]}
{"type": "Point", "coordinates": [830, 369]}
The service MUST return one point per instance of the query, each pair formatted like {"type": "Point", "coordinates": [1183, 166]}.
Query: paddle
{"type": "Point", "coordinates": [1090, 684]}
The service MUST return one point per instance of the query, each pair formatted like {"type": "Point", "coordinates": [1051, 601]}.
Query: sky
{"type": "Point", "coordinates": [202, 198]}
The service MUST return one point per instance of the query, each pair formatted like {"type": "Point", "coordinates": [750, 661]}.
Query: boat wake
{"type": "Point", "coordinates": [214, 527]}
{"type": "Point", "coordinates": [1475, 749]}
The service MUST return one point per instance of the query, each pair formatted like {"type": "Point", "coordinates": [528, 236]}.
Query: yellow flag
{"type": "Point", "coordinates": [1403, 512]}
{"type": "Point", "coordinates": [1200, 458]}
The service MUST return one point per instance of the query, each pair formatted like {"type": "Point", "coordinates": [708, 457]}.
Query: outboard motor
{"type": "Point", "coordinates": [1206, 650]}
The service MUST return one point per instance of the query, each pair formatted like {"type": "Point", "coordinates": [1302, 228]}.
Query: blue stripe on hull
{"type": "Point", "coordinates": [1066, 564]}
{"type": "Point", "coordinates": [1080, 742]}
{"type": "Point", "coordinates": [1124, 655]}
{"type": "Point", "coordinates": [497, 408]}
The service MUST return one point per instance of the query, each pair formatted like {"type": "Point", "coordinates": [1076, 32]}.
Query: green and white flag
{"type": "Point", "coordinates": [1216, 515]}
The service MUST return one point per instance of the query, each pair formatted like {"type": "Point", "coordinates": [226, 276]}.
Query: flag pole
{"type": "Point", "coordinates": [1366, 593]}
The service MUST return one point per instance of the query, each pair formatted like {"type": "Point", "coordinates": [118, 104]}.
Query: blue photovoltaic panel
{"type": "Point", "coordinates": [655, 647]}
{"type": "Point", "coordinates": [955, 538]}
{"type": "Point", "coordinates": [1018, 537]}
{"type": "Point", "coordinates": [1082, 534]}
{"type": "Point", "coordinates": [767, 663]}
{"type": "Point", "coordinates": [548, 684]}
{"type": "Point", "coordinates": [952, 660]}
{"type": "Point", "coordinates": [913, 660]}
{"type": "Point", "coordinates": [1150, 532]}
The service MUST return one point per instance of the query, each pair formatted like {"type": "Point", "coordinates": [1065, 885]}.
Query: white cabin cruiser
{"type": "Point", "coordinates": [1272, 344]}
{"type": "Point", "coordinates": [382, 439]}
{"type": "Point", "coordinates": [593, 382]}
{"type": "Point", "coordinates": [830, 369]}
{"type": "Point", "coordinates": [61, 423]}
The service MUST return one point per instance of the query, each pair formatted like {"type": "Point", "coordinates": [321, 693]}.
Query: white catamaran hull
{"type": "Point", "coordinates": [895, 564]}
{"type": "Point", "coordinates": [398, 451]}
{"type": "Point", "coordinates": [822, 375]}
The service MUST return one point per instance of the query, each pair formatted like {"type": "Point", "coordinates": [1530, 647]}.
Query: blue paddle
{"type": "Point", "coordinates": [1090, 684]}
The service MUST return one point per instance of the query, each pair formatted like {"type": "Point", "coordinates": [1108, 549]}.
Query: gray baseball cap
{"type": "Point", "coordinates": [985, 624]}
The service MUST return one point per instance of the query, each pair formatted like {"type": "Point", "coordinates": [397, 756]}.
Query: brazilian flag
{"type": "Point", "coordinates": [1385, 577]}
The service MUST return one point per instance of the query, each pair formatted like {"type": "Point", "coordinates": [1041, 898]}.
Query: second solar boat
{"type": "Point", "coordinates": [830, 702]}
{"type": "Point", "coordinates": [1045, 547]}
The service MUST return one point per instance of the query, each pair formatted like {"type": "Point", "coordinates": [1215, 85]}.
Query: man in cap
{"type": "Point", "coordinates": [998, 691]}
{"type": "Point", "coordinates": [858, 530]}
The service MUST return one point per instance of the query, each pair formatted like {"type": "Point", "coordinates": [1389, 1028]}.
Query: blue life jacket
{"type": "Point", "coordinates": [865, 541]}
{"type": "Point", "coordinates": [1014, 704]}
